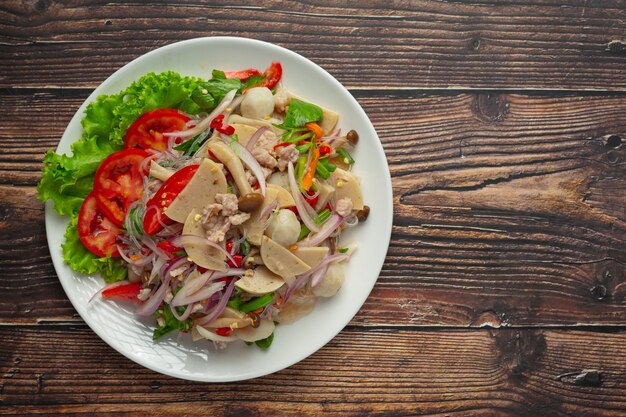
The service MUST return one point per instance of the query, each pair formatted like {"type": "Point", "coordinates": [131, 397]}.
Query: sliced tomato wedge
{"type": "Point", "coordinates": [95, 230]}
{"type": "Point", "coordinates": [272, 75]}
{"type": "Point", "coordinates": [243, 74]}
{"type": "Point", "coordinates": [154, 217]}
{"type": "Point", "coordinates": [147, 131]}
{"type": "Point", "coordinates": [119, 182]}
{"type": "Point", "coordinates": [123, 292]}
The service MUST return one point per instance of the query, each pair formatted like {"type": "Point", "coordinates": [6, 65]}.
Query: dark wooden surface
{"type": "Point", "coordinates": [503, 292]}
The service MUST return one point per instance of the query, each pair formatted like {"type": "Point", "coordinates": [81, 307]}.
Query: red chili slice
{"type": "Point", "coordinates": [154, 217]}
{"type": "Point", "coordinates": [147, 131]}
{"type": "Point", "coordinates": [119, 182]}
{"type": "Point", "coordinates": [243, 74]}
{"type": "Point", "coordinates": [95, 230]}
{"type": "Point", "coordinates": [123, 292]}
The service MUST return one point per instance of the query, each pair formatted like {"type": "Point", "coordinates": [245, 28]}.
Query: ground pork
{"type": "Point", "coordinates": [344, 207]}
{"type": "Point", "coordinates": [286, 154]}
{"type": "Point", "coordinates": [264, 157]}
{"type": "Point", "coordinates": [229, 203]}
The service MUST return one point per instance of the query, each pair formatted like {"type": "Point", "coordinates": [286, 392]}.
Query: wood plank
{"type": "Point", "coordinates": [427, 44]}
{"type": "Point", "coordinates": [509, 209]}
{"type": "Point", "coordinates": [47, 369]}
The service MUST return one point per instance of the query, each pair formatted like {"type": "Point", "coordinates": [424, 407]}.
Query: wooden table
{"type": "Point", "coordinates": [504, 287]}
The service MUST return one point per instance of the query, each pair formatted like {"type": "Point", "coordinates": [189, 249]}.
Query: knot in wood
{"type": "Point", "coordinates": [598, 292]}
{"type": "Point", "coordinates": [613, 141]}
{"type": "Point", "coordinates": [616, 47]}
{"type": "Point", "coordinates": [585, 378]}
{"type": "Point", "coordinates": [490, 108]}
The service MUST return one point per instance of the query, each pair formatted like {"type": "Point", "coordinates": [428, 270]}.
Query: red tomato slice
{"type": "Point", "coordinates": [243, 74]}
{"type": "Point", "coordinates": [147, 131]}
{"type": "Point", "coordinates": [154, 217]}
{"type": "Point", "coordinates": [123, 292]}
{"type": "Point", "coordinates": [272, 75]}
{"type": "Point", "coordinates": [95, 230]}
{"type": "Point", "coordinates": [119, 182]}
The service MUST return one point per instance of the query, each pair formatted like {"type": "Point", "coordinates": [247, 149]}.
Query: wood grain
{"type": "Point", "coordinates": [379, 44]}
{"type": "Point", "coordinates": [391, 372]}
{"type": "Point", "coordinates": [509, 209]}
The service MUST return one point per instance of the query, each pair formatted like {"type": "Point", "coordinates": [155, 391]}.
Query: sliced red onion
{"type": "Point", "coordinates": [317, 277]}
{"type": "Point", "coordinates": [142, 261]}
{"type": "Point", "coordinates": [152, 304]}
{"type": "Point", "coordinates": [255, 137]}
{"type": "Point", "coordinates": [183, 240]}
{"type": "Point", "coordinates": [152, 245]}
{"type": "Point", "coordinates": [170, 230]}
{"type": "Point", "coordinates": [157, 264]}
{"type": "Point", "coordinates": [301, 280]}
{"type": "Point", "coordinates": [191, 286]}
{"type": "Point", "coordinates": [145, 164]}
{"type": "Point", "coordinates": [219, 308]}
{"type": "Point", "coordinates": [203, 294]}
{"type": "Point", "coordinates": [206, 122]}
{"type": "Point", "coordinates": [250, 161]}
{"type": "Point", "coordinates": [106, 287]}
{"type": "Point", "coordinates": [211, 302]}
{"type": "Point", "coordinates": [233, 106]}
{"type": "Point", "coordinates": [176, 263]}
{"type": "Point", "coordinates": [184, 316]}
{"type": "Point", "coordinates": [270, 207]}
{"type": "Point", "coordinates": [300, 203]}
{"type": "Point", "coordinates": [327, 229]}
{"type": "Point", "coordinates": [331, 138]}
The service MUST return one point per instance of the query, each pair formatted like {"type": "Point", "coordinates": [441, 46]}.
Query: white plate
{"type": "Point", "coordinates": [200, 361]}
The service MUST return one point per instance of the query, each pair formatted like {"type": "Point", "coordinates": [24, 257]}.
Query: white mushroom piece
{"type": "Point", "coordinates": [257, 103]}
{"type": "Point", "coordinates": [159, 172]}
{"type": "Point", "coordinates": [284, 228]}
{"type": "Point", "coordinates": [202, 254]}
{"type": "Point", "coordinates": [331, 282]}
{"type": "Point", "coordinates": [199, 192]}
{"type": "Point", "coordinates": [226, 156]}
{"type": "Point", "coordinates": [280, 260]}
{"type": "Point", "coordinates": [262, 281]}
{"type": "Point", "coordinates": [347, 186]}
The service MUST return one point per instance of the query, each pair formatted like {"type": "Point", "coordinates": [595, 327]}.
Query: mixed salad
{"type": "Point", "coordinates": [214, 205]}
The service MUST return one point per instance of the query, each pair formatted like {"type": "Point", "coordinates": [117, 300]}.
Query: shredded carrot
{"type": "Point", "coordinates": [258, 310]}
{"type": "Point", "coordinates": [307, 180]}
{"type": "Point", "coordinates": [315, 128]}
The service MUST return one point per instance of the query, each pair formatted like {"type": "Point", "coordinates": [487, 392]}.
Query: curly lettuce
{"type": "Point", "coordinates": [67, 179]}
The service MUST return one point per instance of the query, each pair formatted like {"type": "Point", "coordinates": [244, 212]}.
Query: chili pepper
{"type": "Point", "coordinates": [217, 124]}
{"type": "Point", "coordinates": [315, 128]}
{"type": "Point", "coordinates": [311, 198]}
{"type": "Point", "coordinates": [123, 292]}
{"type": "Point", "coordinates": [229, 246]}
{"type": "Point", "coordinates": [238, 261]}
{"type": "Point", "coordinates": [325, 150]}
{"type": "Point", "coordinates": [169, 249]}
{"type": "Point", "coordinates": [224, 331]}
{"type": "Point", "coordinates": [307, 180]}
{"type": "Point", "coordinates": [280, 145]}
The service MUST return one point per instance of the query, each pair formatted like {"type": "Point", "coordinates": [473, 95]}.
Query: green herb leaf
{"type": "Point", "coordinates": [265, 343]}
{"type": "Point", "coordinates": [301, 113]}
{"type": "Point", "coordinates": [170, 324]}
{"type": "Point", "coordinates": [252, 81]}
